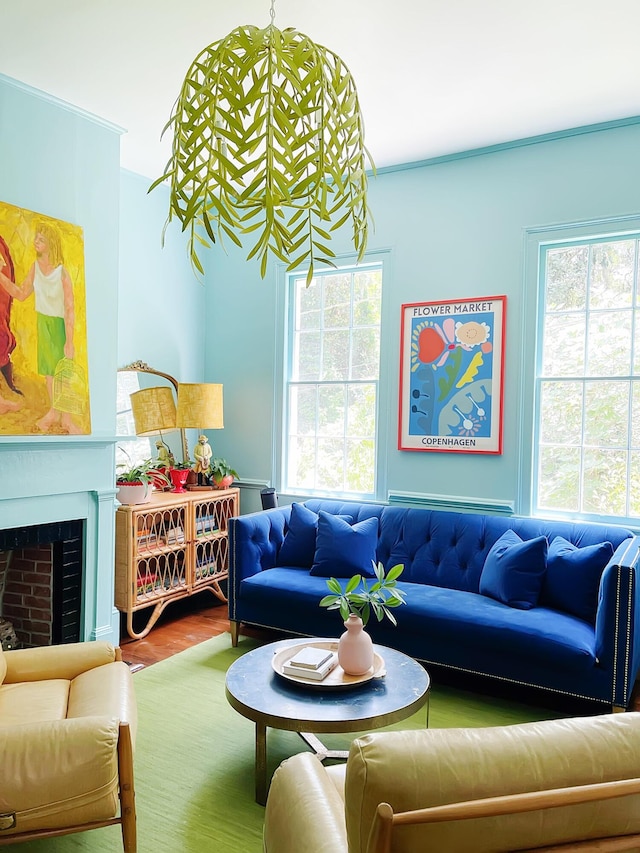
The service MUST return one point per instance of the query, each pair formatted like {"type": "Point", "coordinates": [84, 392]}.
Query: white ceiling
{"type": "Point", "coordinates": [434, 76]}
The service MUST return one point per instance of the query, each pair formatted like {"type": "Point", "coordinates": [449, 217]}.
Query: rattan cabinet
{"type": "Point", "coordinates": [171, 548]}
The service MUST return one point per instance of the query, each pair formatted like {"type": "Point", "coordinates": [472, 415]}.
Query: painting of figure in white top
{"type": "Point", "coordinates": [44, 385]}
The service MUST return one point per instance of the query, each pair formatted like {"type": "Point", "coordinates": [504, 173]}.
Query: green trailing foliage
{"type": "Point", "coordinates": [268, 141]}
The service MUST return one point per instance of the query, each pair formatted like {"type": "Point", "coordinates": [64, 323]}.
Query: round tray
{"type": "Point", "coordinates": [337, 678]}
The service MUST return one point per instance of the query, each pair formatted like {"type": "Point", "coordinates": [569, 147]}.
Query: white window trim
{"type": "Point", "coordinates": [282, 361]}
{"type": "Point", "coordinates": [535, 241]}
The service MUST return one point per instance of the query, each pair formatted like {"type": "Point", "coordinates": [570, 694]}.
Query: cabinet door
{"type": "Point", "coordinates": [160, 552]}
{"type": "Point", "coordinates": [211, 544]}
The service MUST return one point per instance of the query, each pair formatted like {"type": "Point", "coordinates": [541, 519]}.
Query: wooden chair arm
{"type": "Point", "coordinates": [385, 820]}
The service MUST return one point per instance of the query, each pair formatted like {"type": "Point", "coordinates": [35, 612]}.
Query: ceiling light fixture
{"type": "Point", "coordinates": [268, 139]}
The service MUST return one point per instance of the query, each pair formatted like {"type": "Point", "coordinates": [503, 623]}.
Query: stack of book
{"type": "Point", "coordinates": [149, 540]}
{"type": "Point", "coordinates": [175, 534]}
{"type": "Point", "coordinates": [311, 662]}
{"type": "Point", "coordinates": [206, 524]}
{"type": "Point", "coordinates": [204, 568]}
{"type": "Point", "coordinates": [146, 582]}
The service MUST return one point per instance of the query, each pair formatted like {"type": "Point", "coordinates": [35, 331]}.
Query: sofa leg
{"type": "Point", "coordinates": [235, 631]}
{"type": "Point", "coordinates": [618, 709]}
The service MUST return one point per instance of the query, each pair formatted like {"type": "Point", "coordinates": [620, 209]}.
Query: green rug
{"type": "Point", "coordinates": [195, 756]}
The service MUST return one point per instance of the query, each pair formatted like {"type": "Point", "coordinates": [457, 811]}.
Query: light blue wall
{"type": "Point", "coordinates": [161, 313]}
{"type": "Point", "coordinates": [451, 229]}
{"type": "Point", "coordinates": [454, 229]}
{"type": "Point", "coordinates": [65, 164]}
{"type": "Point", "coordinates": [161, 302]}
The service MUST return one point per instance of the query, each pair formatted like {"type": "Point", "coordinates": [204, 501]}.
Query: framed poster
{"type": "Point", "coordinates": [44, 388]}
{"type": "Point", "coordinates": [451, 375]}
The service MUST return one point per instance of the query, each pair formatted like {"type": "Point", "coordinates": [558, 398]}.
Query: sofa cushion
{"type": "Point", "coordinates": [59, 773]}
{"type": "Point", "coordinates": [432, 767]}
{"type": "Point", "coordinates": [514, 570]}
{"type": "Point", "coordinates": [33, 702]}
{"type": "Point", "coordinates": [104, 691]}
{"type": "Point", "coordinates": [67, 660]}
{"type": "Point", "coordinates": [299, 546]}
{"type": "Point", "coordinates": [343, 550]}
{"type": "Point", "coordinates": [464, 629]}
{"type": "Point", "coordinates": [3, 666]}
{"type": "Point", "coordinates": [573, 577]}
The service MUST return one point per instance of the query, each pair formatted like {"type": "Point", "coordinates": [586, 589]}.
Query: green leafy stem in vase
{"type": "Point", "coordinates": [360, 598]}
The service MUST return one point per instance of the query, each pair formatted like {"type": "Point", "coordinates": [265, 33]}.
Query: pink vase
{"type": "Point", "coordinates": [355, 649]}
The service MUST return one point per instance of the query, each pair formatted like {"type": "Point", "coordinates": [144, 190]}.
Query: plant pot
{"type": "Point", "coordinates": [134, 493]}
{"type": "Point", "coordinates": [355, 648]}
{"type": "Point", "coordinates": [222, 482]}
{"type": "Point", "coordinates": [179, 478]}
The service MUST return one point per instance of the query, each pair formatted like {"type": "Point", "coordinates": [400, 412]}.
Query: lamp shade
{"type": "Point", "coordinates": [154, 410]}
{"type": "Point", "coordinates": [200, 406]}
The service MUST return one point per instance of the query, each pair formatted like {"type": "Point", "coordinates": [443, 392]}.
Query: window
{"type": "Point", "coordinates": [588, 379]}
{"type": "Point", "coordinates": [136, 449]}
{"type": "Point", "coordinates": [332, 384]}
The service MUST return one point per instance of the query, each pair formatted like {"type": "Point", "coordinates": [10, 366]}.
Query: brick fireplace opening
{"type": "Point", "coordinates": [41, 571]}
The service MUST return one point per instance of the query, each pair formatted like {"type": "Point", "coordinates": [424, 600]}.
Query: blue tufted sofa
{"type": "Point", "coordinates": [446, 620]}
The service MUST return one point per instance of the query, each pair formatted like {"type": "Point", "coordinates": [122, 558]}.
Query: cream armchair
{"type": "Point", "coordinates": [67, 728]}
{"type": "Point", "coordinates": [510, 788]}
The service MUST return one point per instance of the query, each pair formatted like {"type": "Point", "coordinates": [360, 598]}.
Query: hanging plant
{"type": "Point", "coordinates": [268, 140]}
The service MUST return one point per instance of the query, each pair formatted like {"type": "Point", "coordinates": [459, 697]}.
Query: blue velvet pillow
{"type": "Point", "coordinates": [573, 577]}
{"type": "Point", "coordinates": [299, 545]}
{"type": "Point", "coordinates": [343, 550]}
{"type": "Point", "coordinates": [514, 570]}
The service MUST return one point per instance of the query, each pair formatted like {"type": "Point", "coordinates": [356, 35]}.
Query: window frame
{"type": "Point", "coordinates": [539, 242]}
{"type": "Point", "coordinates": [348, 263]}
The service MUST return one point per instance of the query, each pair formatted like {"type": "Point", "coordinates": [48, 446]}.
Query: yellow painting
{"type": "Point", "coordinates": [44, 385]}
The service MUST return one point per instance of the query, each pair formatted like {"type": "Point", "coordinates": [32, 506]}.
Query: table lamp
{"type": "Point", "coordinates": [200, 407]}
{"type": "Point", "coordinates": [154, 410]}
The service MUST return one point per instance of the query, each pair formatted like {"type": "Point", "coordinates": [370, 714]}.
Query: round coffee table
{"type": "Point", "coordinates": [259, 694]}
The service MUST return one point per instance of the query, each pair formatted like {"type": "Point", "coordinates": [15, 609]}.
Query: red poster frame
{"type": "Point", "coordinates": [452, 375]}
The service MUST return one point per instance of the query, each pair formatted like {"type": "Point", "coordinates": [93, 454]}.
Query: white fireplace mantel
{"type": "Point", "coordinates": [64, 479]}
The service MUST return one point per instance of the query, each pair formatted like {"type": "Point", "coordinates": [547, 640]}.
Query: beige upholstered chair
{"type": "Point", "coordinates": [512, 788]}
{"type": "Point", "coordinates": [67, 728]}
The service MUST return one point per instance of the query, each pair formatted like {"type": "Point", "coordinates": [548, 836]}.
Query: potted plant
{"type": "Point", "coordinates": [356, 602]}
{"type": "Point", "coordinates": [221, 474]}
{"type": "Point", "coordinates": [136, 480]}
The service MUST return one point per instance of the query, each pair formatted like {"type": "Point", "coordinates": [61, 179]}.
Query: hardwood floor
{"type": "Point", "coordinates": [182, 625]}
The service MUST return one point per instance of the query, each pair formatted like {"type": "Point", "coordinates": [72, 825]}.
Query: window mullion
{"type": "Point", "coordinates": [632, 384]}
{"type": "Point", "coordinates": [585, 356]}
{"type": "Point", "coordinates": [316, 437]}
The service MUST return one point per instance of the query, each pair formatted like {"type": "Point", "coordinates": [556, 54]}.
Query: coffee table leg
{"type": "Point", "coordinates": [320, 750]}
{"type": "Point", "coordinates": [261, 764]}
